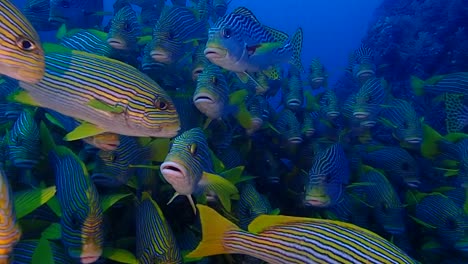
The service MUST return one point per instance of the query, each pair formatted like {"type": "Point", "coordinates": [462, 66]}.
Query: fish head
{"type": "Point", "coordinates": [225, 46]}
{"type": "Point", "coordinates": [184, 164]}
{"type": "Point", "coordinates": [24, 141]}
{"type": "Point", "coordinates": [220, 7]}
{"type": "Point", "coordinates": [153, 112]}
{"type": "Point", "coordinates": [329, 105]}
{"type": "Point", "coordinates": [164, 48]}
{"type": "Point", "coordinates": [409, 131]}
{"type": "Point", "coordinates": [322, 190]}
{"type": "Point", "coordinates": [289, 127]}
{"type": "Point", "coordinates": [124, 29]}
{"type": "Point", "coordinates": [364, 71]}
{"type": "Point", "coordinates": [390, 214]}
{"type": "Point", "coordinates": [22, 53]}
{"type": "Point", "coordinates": [211, 94]}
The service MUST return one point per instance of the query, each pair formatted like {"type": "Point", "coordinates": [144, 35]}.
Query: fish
{"type": "Point", "coordinates": [10, 232]}
{"type": "Point", "coordinates": [276, 238]}
{"type": "Point", "coordinates": [317, 76]}
{"type": "Point", "coordinates": [188, 168]}
{"type": "Point", "coordinates": [108, 95]}
{"type": "Point", "coordinates": [24, 141]}
{"type": "Point", "coordinates": [37, 13]}
{"type": "Point", "coordinates": [113, 168]}
{"type": "Point", "coordinates": [211, 96]}
{"type": "Point", "coordinates": [155, 241]}
{"type": "Point", "coordinates": [289, 127]}
{"type": "Point", "coordinates": [364, 67]}
{"type": "Point", "coordinates": [379, 193]}
{"type": "Point", "coordinates": [308, 124]}
{"type": "Point", "coordinates": [22, 55]}
{"type": "Point", "coordinates": [456, 83]}
{"type": "Point", "coordinates": [397, 163]}
{"type": "Point", "coordinates": [329, 174]}
{"type": "Point", "coordinates": [199, 62]}
{"type": "Point", "coordinates": [24, 251]}
{"type": "Point", "coordinates": [82, 214]}
{"type": "Point", "coordinates": [220, 7]}
{"type": "Point", "coordinates": [257, 105]}
{"type": "Point", "coordinates": [124, 30]}
{"type": "Point", "coordinates": [404, 121]}
{"type": "Point", "coordinates": [293, 93]}
{"type": "Point", "coordinates": [251, 205]}
{"type": "Point", "coordinates": [329, 107]}
{"type": "Point", "coordinates": [176, 30]}
{"type": "Point", "coordinates": [238, 42]}
{"type": "Point", "coordinates": [76, 14]}
{"type": "Point", "coordinates": [150, 13]}
{"type": "Point", "coordinates": [369, 98]}
{"type": "Point", "coordinates": [87, 40]}
{"type": "Point", "coordinates": [456, 108]}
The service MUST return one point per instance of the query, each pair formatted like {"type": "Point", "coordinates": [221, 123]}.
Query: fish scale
{"type": "Point", "coordinates": [90, 41]}
{"type": "Point", "coordinates": [24, 141]}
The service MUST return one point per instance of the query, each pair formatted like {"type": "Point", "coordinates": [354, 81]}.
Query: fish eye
{"type": "Point", "coordinates": [160, 104]}
{"type": "Point", "coordinates": [65, 4]}
{"type": "Point", "coordinates": [193, 149]}
{"type": "Point", "coordinates": [25, 44]}
{"type": "Point", "coordinates": [226, 32]}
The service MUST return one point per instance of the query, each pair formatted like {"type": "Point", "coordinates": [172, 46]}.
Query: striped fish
{"type": "Point", "coordinates": [456, 83]}
{"type": "Point", "coordinates": [294, 93]}
{"type": "Point", "coordinates": [317, 76]}
{"type": "Point", "coordinates": [457, 112]}
{"type": "Point", "coordinates": [89, 40]}
{"type": "Point", "coordinates": [112, 96]}
{"type": "Point", "coordinates": [10, 232]}
{"type": "Point", "coordinates": [378, 192]}
{"type": "Point", "coordinates": [124, 30]}
{"type": "Point", "coordinates": [24, 141]}
{"type": "Point", "coordinates": [329, 107]}
{"type": "Point", "coordinates": [150, 13]}
{"type": "Point", "coordinates": [188, 168]}
{"type": "Point", "coordinates": [176, 29]}
{"type": "Point", "coordinates": [308, 124]}
{"type": "Point", "coordinates": [289, 127]}
{"type": "Point", "coordinates": [155, 241]}
{"type": "Point", "coordinates": [251, 205]}
{"type": "Point", "coordinates": [211, 96]}
{"type": "Point", "coordinates": [76, 13]}
{"type": "Point", "coordinates": [113, 167]}
{"type": "Point", "coordinates": [257, 105]}
{"type": "Point", "coordinates": [369, 98]}
{"type": "Point", "coordinates": [328, 176]}
{"type": "Point", "coordinates": [81, 221]}
{"type": "Point", "coordinates": [286, 239]}
{"type": "Point", "coordinates": [402, 118]}
{"type": "Point", "coordinates": [37, 12]}
{"type": "Point", "coordinates": [199, 61]}
{"type": "Point", "coordinates": [266, 47]}
{"type": "Point", "coordinates": [364, 67]}
{"type": "Point", "coordinates": [448, 219]}
{"type": "Point", "coordinates": [21, 53]}
{"type": "Point", "coordinates": [24, 251]}
{"type": "Point", "coordinates": [400, 167]}
{"type": "Point", "coordinates": [230, 157]}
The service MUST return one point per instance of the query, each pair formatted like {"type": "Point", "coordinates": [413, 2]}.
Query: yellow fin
{"type": "Point", "coordinates": [22, 97]}
{"type": "Point", "coordinates": [61, 32]}
{"type": "Point", "coordinates": [53, 47]}
{"type": "Point", "coordinates": [83, 131]}
{"type": "Point", "coordinates": [214, 226]}
{"type": "Point", "coordinates": [244, 117]}
{"type": "Point", "coordinates": [238, 97]}
{"type": "Point", "coordinates": [159, 149]}
{"type": "Point", "coordinates": [223, 188]}
{"type": "Point", "coordinates": [417, 85]}
{"type": "Point", "coordinates": [429, 146]}
{"type": "Point", "coordinates": [100, 105]}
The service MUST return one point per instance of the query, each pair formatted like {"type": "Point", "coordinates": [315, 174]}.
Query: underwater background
{"type": "Point", "coordinates": [215, 131]}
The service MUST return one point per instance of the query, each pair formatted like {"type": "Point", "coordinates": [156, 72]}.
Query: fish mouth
{"type": "Point", "coordinates": [309, 132]}
{"type": "Point", "coordinates": [361, 115]}
{"type": "Point", "coordinates": [89, 259]}
{"type": "Point", "coordinates": [203, 98]}
{"type": "Point", "coordinates": [257, 122]}
{"type": "Point", "coordinates": [117, 43]}
{"type": "Point", "coordinates": [394, 230]}
{"type": "Point", "coordinates": [295, 140]}
{"type": "Point", "coordinates": [160, 56]}
{"type": "Point", "coordinates": [170, 169]}
{"type": "Point", "coordinates": [413, 183]}
{"type": "Point", "coordinates": [317, 201]}
{"type": "Point", "coordinates": [333, 114]}
{"type": "Point", "coordinates": [215, 53]}
{"type": "Point", "coordinates": [413, 140]}
{"type": "Point", "coordinates": [365, 73]}
{"type": "Point", "coordinates": [57, 20]}
{"type": "Point", "coordinates": [368, 123]}
{"type": "Point", "coordinates": [294, 103]}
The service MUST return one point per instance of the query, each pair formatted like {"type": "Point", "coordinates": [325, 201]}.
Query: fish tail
{"type": "Point", "coordinates": [417, 85]}
{"type": "Point", "coordinates": [214, 228]}
{"type": "Point", "coordinates": [296, 43]}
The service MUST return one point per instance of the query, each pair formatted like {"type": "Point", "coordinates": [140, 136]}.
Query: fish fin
{"type": "Point", "coordinates": [54, 120]}
{"type": "Point", "coordinates": [119, 255]}
{"type": "Point", "coordinates": [431, 245]}
{"type": "Point", "coordinates": [263, 222]}
{"type": "Point", "coordinates": [278, 35]}
{"type": "Point", "coordinates": [455, 137]}
{"type": "Point", "coordinates": [387, 123]}
{"type": "Point", "coordinates": [83, 131]}
{"type": "Point", "coordinates": [421, 222]}
{"type": "Point", "coordinates": [100, 105]}
{"type": "Point", "coordinates": [42, 252]}
{"type": "Point", "coordinates": [296, 43]}
{"type": "Point", "coordinates": [207, 123]}
{"type": "Point", "coordinates": [53, 47]}
{"type": "Point", "coordinates": [214, 227]}
{"type": "Point", "coordinates": [107, 201]}
{"type": "Point", "coordinates": [99, 13]}
{"type": "Point", "coordinates": [52, 232]}
{"type": "Point", "coordinates": [218, 165]}
{"type": "Point", "coordinates": [429, 145]}
{"type": "Point", "coordinates": [61, 32]}
{"type": "Point", "coordinates": [234, 175]}
{"type": "Point", "coordinates": [245, 12]}
{"type": "Point", "coordinates": [244, 117]}
{"type": "Point", "coordinates": [47, 142]}
{"type": "Point", "coordinates": [223, 188]}
{"type": "Point", "coordinates": [143, 40]}
{"type": "Point", "coordinates": [434, 79]}
{"type": "Point", "coordinates": [98, 33]}
{"type": "Point", "coordinates": [22, 97]}
{"type": "Point", "coordinates": [417, 85]}
{"type": "Point", "coordinates": [238, 97]}
{"type": "Point", "coordinates": [27, 201]}
{"type": "Point", "coordinates": [243, 77]}
{"type": "Point", "coordinates": [272, 73]}
{"type": "Point", "coordinates": [263, 48]}
{"type": "Point", "coordinates": [275, 211]}
{"type": "Point", "coordinates": [159, 149]}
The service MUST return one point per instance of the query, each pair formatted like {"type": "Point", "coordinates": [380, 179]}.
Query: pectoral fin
{"type": "Point", "coordinates": [100, 105]}
{"type": "Point", "coordinates": [223, 188]}
{"type": "Point", "coordinates": [83, 131]}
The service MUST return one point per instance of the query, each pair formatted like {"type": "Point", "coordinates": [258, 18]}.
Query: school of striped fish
{"type": "Point", "coordinates": [189, 131]}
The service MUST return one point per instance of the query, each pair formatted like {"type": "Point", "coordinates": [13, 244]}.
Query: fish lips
{"type": "Point", "coordinates": [413, 140]}
{"type": "Point", "coordinates": [295, 140]}
{"type": "Point", "coordinates": [161, 56]}
{"type": "Point", "coordinates": [213, 53]}
{"type": "Point", "coordinates": [317, 201]}
{"type": "Point", "coordinates": [173, 171]}
{"type": "Point", "coordinates": [333, 114]}
{"type": "Point", "coordinates": [117, 43]}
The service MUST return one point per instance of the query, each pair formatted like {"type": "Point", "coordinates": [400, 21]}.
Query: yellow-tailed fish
{"type": "Point", "coordinates": [21, 53]}
{"type": "Point", "coordinates": [108, 95]}
{"type": "Point", "coordinates": [81, 220]}
{"type": "Point", "coordinates": [10, 232]}
{"type": "Point", "coordinates": [286, 239]}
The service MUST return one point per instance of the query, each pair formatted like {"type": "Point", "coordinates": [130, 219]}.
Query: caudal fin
{"type": "Point", "coordinates": [214, 227]}
{"type": "Point", "coordinates": [296, 43]}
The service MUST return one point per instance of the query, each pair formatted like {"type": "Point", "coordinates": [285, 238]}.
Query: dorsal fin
{"type": "Point", "coordinates": [278, 35]}
{"type": "Point", "coordinates": [245, 12]}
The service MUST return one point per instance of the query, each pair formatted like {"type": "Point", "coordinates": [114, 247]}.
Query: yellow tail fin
{"type": "Point", "coordinates": [214, 226]}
